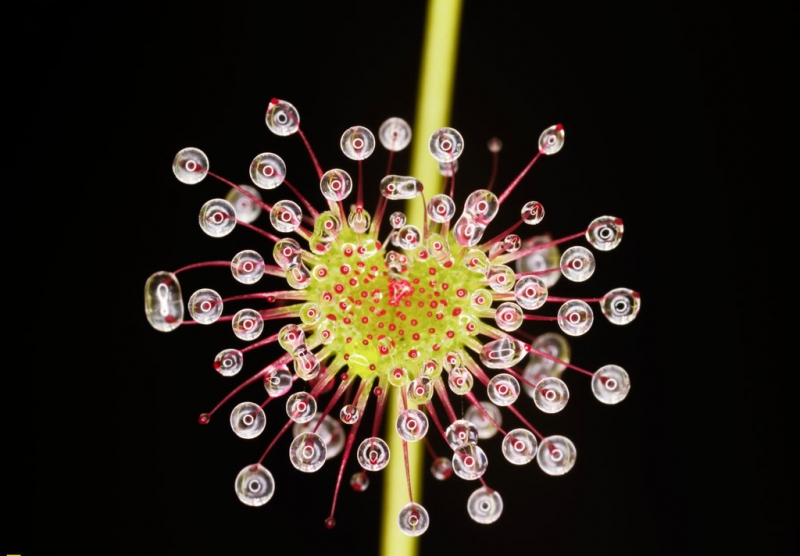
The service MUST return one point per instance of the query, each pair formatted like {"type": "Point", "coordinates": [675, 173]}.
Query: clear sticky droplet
{"type": "Point", "coordinates": [467, 232]}
{"type": "Point", "coordinates": [438, 247]}
{"type": "Point", "coordinates": [420, 390]}
{"type": "Point", "coordinates": [320, 272]}
{"type": "Point", "coordinates": [519, 446]}
{"type": "Point", "coordinates": [330, 430]}
{"type": "Point", "coordinates": [301, 407]}
{"type": "Point", "coordinates": [291, 338]}
{"type": "Point", "coordinates": [508, 316]}
{"type": "Point", "coordinates": [551, 394]}
{"type": "Point", "coordinates": [610, 384]}
{"type": "Point", "coordinates": [452, 360]}
{"type": "Point", "coordinates": [556, 455]}
{"type": "Point", "coordinates": [469, 324]}
{"type": "Point", "coordinates": [359, 481]}
{"type": "Point", "coordinates": [163, 301]}
{"type": "Point", "coordinates": [503, 389]}
{"type": "Point", "coordinates": [476, 261]}
{"type": "Point", "coordinates": [384, 343]}
{"type": "Point", "coordinates": [575, 317]}
{"type": "Point", "coordinates": [373, 454]}
{"type": "Point", "coordinates": [482, 206]}
{"type": "Point", "coordinates": [413, 519]}
{"type": "Point", "coordinates": [246, 206]}
{"type": "Point", "coordinates": [398, 376]}
{"type": "Point", "coordinates": [480, 300]}
{"type": "Point", "coordinates": [327, 226]}
{"type": "Point", "coordinates": [409, 237]}
{"type": "Point", "coordinates": [395, 134]}
{"type": "Point", "coordinates": [310, 313]}
{"type": "Point", "coordinates": [620, 305]}
{"type": "Point", "coordinates": [556, 346]}
{"type": "Point", "coordinates": [247, 267]}
{"type": "Point", "coordinates": [308, 452]}
{"type": "Point", "coordinates": [532, 212]}
{"type": "Point", "coordinates": [470, 462]}
{"type": "Point", "coordinates": [336, 185]}
{"type": "Point", "coordinates": [461, 433]}
{"type": "Point", "coordinates": [460, 381]}
{"type": "Point", "coordinates": [485, 505]}
{"type": "Point", "coordinates": [282, 117]}
{"type": "Point", "coordinates": [500, 277]}
{"type": "Point", "coordinates": [577, 264]}
{"type": "Point", "coordinates": [605, 233]}
{"type": "Point", "coordinates": [357, 143]}
{"type": "Point", "coordinates": [442, 468]}
{"type": "Point", "coordinates": [306, 364]}
{"type": "Point", "coordinates": [502, 353]}
{"type": "Point", "coordinates": [254, 485]}
{"type": "Point", "coordinates": [298, 276]}
{"type": "Point", "coordinates": [247, 324]}
{"type": "Point", "coordinates": [285, 216]}
{"type": "Point", "coordinates": [446, 144]}
{"type": "Point", "coordinates": [448, 169]}
{"type": "Point", "coordinates": [539, 366]}
{"type": "Point", "coordinates": [551, 140]}
{"type": "Point", "coordinates": [543, 259]}
{"type": "Point", "coordinates": [316, 245]}
{"type": "Point", "coordinates": [367, 248]}
{"type": "Point", "coordinates": [205, 306]}
{"type": "Point", "coordinates": [190, 165]}
{"type": "Point", "coordinates": [229, 362]}
{"type": "Point", "coordinates": [267, 171]}
{"type": "Point", "coordinates": [396, 187]}
{"type": "Point", "coordinates": [512, 243]}
{"type": "Point", "coordinates": [431, 369]}
{"type": "Point", "coordinates": [530, 292]}
{"type": "Point", "coordinates": [287, 253]}
{"type": "Point", "coordinates": [349, 414]}
{"type": "Point", "coordinates": [412, 425]}
{"type": "Point", "coordinates": [441, 208]}
{"type": "Point", "coordinates": [248, 420]}
{"type": "Point", "coordinates": [278, 381]}
{"type": "Point", "coordinates": [397, 220]}
{"type": "Point", "coordinates": [217, 218]}
{"type": "Point", "coordinates": [359, 220]}
{"type": "Point", "coordinates": [486, 428]}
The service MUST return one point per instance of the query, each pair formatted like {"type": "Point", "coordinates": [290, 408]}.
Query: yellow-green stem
{"type": "Point", "coordinates": [434, 98]}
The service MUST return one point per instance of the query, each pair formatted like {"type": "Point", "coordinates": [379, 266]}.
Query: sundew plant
{"type": "Point", "coordinates": [369, 306]}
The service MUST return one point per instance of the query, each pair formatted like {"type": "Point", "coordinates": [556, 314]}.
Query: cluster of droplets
{"type": "Point", "coordinates": [402, 317]}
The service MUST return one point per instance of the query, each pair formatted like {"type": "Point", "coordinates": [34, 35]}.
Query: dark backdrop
{"type": "Point", "coordinates": [667, 122]}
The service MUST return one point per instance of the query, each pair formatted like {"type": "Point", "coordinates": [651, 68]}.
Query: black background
{"type": "Point", "coordinates": [671, 123]}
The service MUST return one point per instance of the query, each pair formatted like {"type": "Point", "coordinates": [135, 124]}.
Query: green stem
{"type": "Point", "coordinates": [434, 98]}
